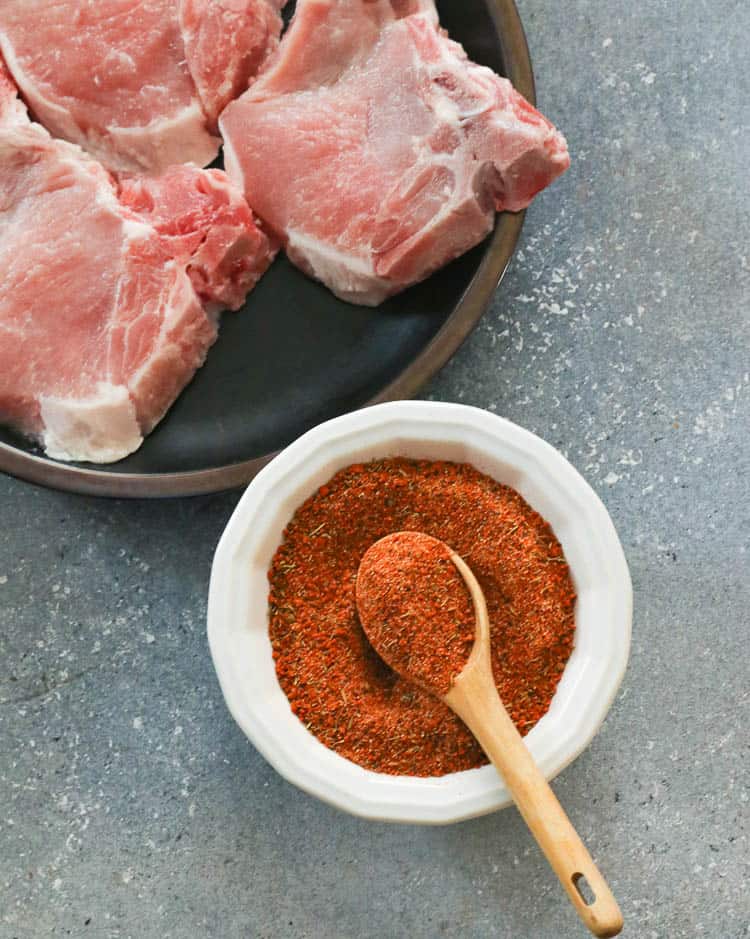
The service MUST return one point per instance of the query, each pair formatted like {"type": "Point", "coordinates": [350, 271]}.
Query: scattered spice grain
{"type": "Point", "coordinates": [337, 684]}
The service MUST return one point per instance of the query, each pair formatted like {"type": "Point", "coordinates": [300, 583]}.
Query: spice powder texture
{"type": "Point", "coordinates": [336, 683]}
{"type": "Point", "coordinates": [416, 609]}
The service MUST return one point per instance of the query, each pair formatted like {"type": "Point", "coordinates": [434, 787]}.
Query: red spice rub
{"type": "Point", "coordinates": [337, 684]}
{"type": "Point", "coordinates": [416, 609]}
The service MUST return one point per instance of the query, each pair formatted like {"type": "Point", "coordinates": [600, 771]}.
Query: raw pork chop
{"type": "Point", "coordinates": [377, 150]}
{"type": "Point", "coordinates": [100, 326]}
{"type": "Point", "coordinates": [115, 76]}
{"type": "Point", "coordinates": [208, 225]}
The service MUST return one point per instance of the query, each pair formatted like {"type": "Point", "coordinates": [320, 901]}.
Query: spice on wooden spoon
{"type": "Point", "coordinates": [425, 614]}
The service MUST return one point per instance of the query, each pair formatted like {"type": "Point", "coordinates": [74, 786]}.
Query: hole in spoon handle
{"type": "Point", "coordinates": [598, 909]}
{"type": "Point", "coordinates": [584, 888]}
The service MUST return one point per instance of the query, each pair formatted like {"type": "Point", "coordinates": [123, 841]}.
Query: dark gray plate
{"type": "Point", "coordinates": [296, 356]}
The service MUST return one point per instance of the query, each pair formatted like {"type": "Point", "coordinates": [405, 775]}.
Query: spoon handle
{"type": "Point", "coordinates": [477, 703]}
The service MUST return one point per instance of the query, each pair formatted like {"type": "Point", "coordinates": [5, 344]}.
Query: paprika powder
{"type": "Point", "coordinates": [416, 609]}
{"type": "Point", "coordinates": [336, 683]}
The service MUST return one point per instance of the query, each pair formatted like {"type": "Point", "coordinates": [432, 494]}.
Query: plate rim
{"type": "Point", "coordinates": [467, 313]}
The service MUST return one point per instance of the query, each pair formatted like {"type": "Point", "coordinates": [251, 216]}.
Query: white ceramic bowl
{"type": "Point", "coordinates": [237, 608]}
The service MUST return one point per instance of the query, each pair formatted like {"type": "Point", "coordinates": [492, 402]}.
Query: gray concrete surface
{"type": "Point", "coordinates": [131, 805]}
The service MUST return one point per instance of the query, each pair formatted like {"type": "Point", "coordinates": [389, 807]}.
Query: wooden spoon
{"type": "Point", "coordinates": [473, 696]}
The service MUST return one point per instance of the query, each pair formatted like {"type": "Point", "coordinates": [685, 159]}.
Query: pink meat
{"type": "Point", "coordinates": [226, 43]}
{"type": "Point", "coordinates": [100, 327]}
{"type": "Point", "coordinates": [377, 151]}
{"type": "Point", "coordinates": [208, 226]}
{"type": "Point", "coordinates": [115, 76]}
{"type": "Point", "coordinates": [12, 110]}
{"type": "Point", "coordinates": [101, 322]}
